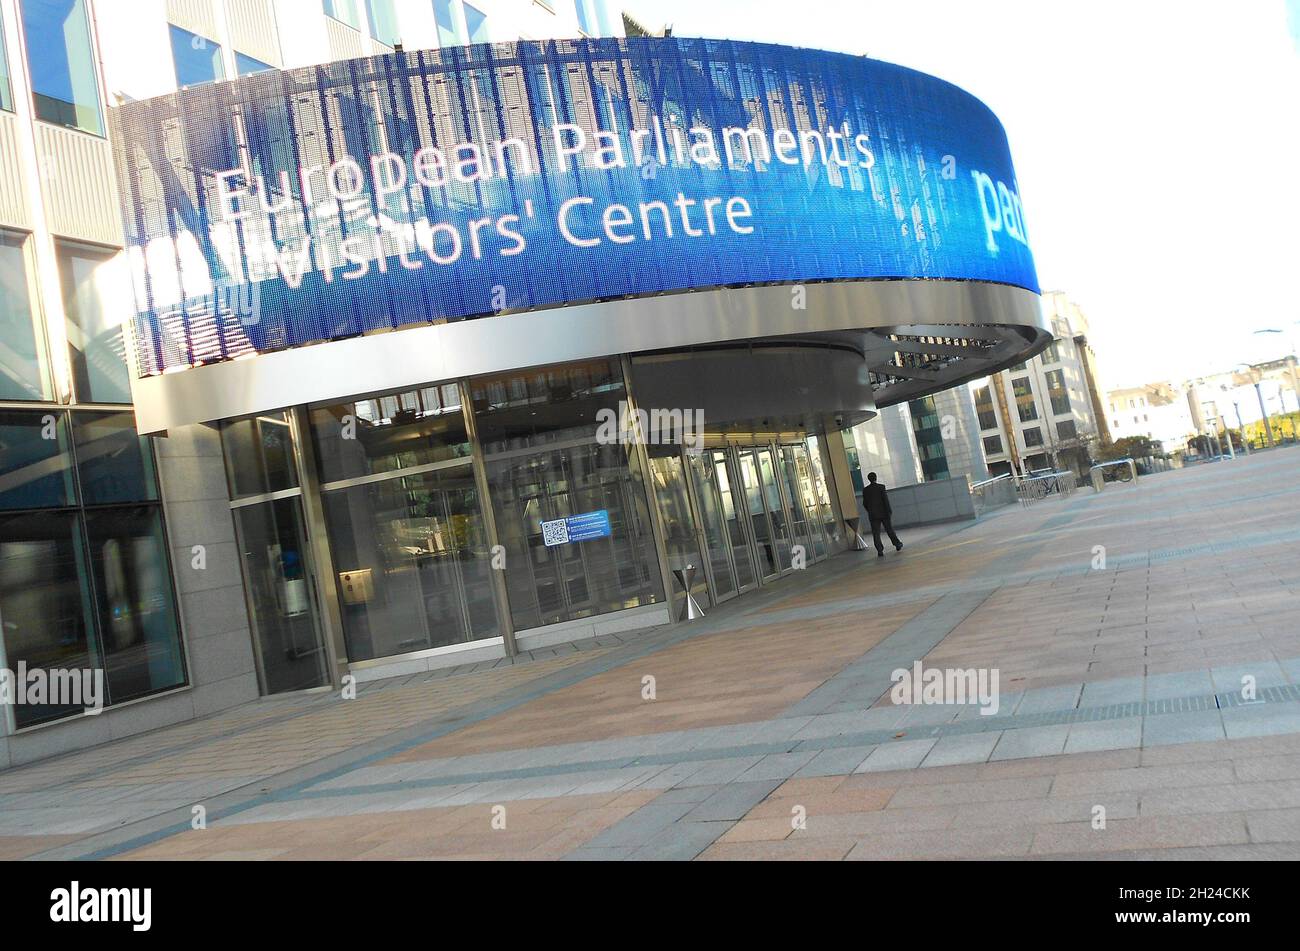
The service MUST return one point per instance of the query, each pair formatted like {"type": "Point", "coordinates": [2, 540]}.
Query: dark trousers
{"type": "Point", "coordinates": [876, 523]}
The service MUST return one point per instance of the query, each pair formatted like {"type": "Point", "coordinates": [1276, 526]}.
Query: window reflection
{"type": "Point", "coordinates": [388, 433]}
{"type": "Point", "coordinates": [92, 299]}
{"type": "Point", "coordinates": [414, 567]}
{"type": "Point", "coordinates": [543, 463]}
{"type": "Point", "coordinates": [44, 600]}
{"type": "Point", "coordinates": [137, 619]}
{"type": "Point", "coordinates": [61, 63]}
{"type": "Point", "coordinates": [113, 460]}
{"type": "Point", "coordinates": [259, 455]}
{"type": "Point", "coordinates": [35, 465]}
{"type": "Point", "coordinates": [21, 373]}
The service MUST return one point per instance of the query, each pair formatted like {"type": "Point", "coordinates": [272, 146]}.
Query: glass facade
{"type": "Point", "coordinates": [1024, 393]}
{"type": "Point", "coordinates": [93, 296]}
{"type": "Point", "coordinates": [246, 65]}
{"type": "Point", "coordinates": [418, 559]}
{"type": "Point", "coordinates": [345, 11]}
{"type": "Point", "coordinates": [61, 63]}
{"type": "Point", "coordinates": [6, 88]}
{"type": "Point", "coordinates": [927, 429]}
{"type": "Point", "coordinates": [383, 21]}
{"type": "Point", "coordinates": [85, 578]}
{"type": "Point", "coordinates": [405, 523]}
{"type": "Point", "coordinates": [197, 59]}
{"type": "Point", "coordinates": [988, 417]}
{"type": "Point", "coordinates": [543, 462]}
{"type": "Point", "coordinates": [23, 373]}
{"type": "Point", "coordinates": [444, 13]}
{"type": "Point", "coordinates": [1057, 391]}
{"type": "Point", "coordinates": [476, 24]}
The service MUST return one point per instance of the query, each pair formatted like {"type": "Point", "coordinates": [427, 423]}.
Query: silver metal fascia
{"type": "Point", "coordinates": [417, 356]}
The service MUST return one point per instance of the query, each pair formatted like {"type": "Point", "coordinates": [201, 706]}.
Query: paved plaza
{"type": "Point", "coordinates": [1145, 641]}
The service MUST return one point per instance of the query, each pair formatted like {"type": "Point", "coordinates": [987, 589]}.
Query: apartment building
{"type": "Point", "coordinates": [1044, 413]}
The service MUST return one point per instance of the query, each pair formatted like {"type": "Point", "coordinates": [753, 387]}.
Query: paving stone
{"type": "Point", "coordinates": [1274, 825]}
{"type": "Point", "coordinates": [1229, 679]}
{"type": "Point", "coordinates": [732, 801]}
{"type": "Point", "coordinates": [641, 826]}
{"type": "Point", "coordinates": [1030, 742]}
{"type": "Point", "coordinates": [1229, 797]}
{"type": "Point", "coordinates": [1192, 683]}
{"type": "Point", "coordinates": [680, 842]}
{"type": "Point", "coordinates": [1262, 719]}
{"type": "Point", "coordinates": [1104, 735]}
{"type": "Point", "coordinates": [896, 754]}
{"type": "Point", "coordinates": [1103, 693]}
{"type": "Point", "coordinates": [955, 750]}
{"type": "Point", "coordinates": [778, 765]}
{"type": "Point", "coordinates": [1049, 699]}
{"type": "Point", "coordinates": [835, 762]}
{"type": "Point", "coordinates": [1142, 833]}
{"type": "Point", "coordinates": [1175, 728]}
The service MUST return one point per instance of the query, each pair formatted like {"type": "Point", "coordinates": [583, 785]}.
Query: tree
{"type": "Point", "coordinates": [1130, 447]}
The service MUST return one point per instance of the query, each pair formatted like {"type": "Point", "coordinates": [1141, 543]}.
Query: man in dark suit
{"type": "Point", "coordinates": [876, 501]}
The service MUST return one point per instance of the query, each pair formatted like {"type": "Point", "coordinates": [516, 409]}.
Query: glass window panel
{"type": "Point", "coordinates": [35, 465]}
{"type": "Point", "coordinates": [6, 89]}
{"type": "Point", "coordinates": [61, 63]}
{"type": "Point", "coordinates": [448, 30]}
{"type": "Point", "coordinates": [586, 22]}
{"type": "Point", "coordinates": [44, 600]}
{"type": "Point", "coordinates": [344, 10]}
{"type": "Point", "coordinates": [197, 58]}
{"type": "Point", "coordinates": [259, 455]}
{"type": "Point", "coordinates": [21, 374]}
{"type": "Point", "coordinates": [668, 478]}
{"type": "Point", "coordinates": [538, 432]}
{"type": "Point", "coordinates": [1057, 390]}
{"type": "Point", "coordinates": [413, 562]}
{"type": "Point", "coordinates": [476, 24]}
{"type": "Point", "coordinates": [93, 294]}
{"type": "Point", "coordinates": [114, 462]}
{"type": "Point", "coordinates": [1024, 393]}
{"type": "Point", "coordinates": [277, 575]}
{"type": "Point", "coordinates": [134, 601]}
{"type": "Point", "coordinates": [388, 433]}
{"type": "Point", "coordinates": [383, 21]}
{"type": "Point", "coordinates": [246, 65]}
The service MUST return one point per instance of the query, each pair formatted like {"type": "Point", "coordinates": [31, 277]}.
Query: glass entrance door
{"type": "Point", "coordinates": [764, 537]}
{"type": "Point", "coordinates": [728, 565]}
{"type": "Point", "coordinates": [277, 574]}
{"type": "Point", "coordinates": [672, 497]}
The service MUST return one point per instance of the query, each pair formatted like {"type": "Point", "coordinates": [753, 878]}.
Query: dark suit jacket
{"type": "Point", "coordinates": [876, 500]}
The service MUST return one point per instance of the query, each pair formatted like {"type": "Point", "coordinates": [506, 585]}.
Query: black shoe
{"type": "Point", "coordinates": [898, 547]}
{"type": "Point", "coordinates": [880, 554]}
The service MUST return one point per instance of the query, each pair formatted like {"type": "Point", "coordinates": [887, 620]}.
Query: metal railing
{"type": "Point", "coordinates": [1117, 470]}
{"type": "Point", "coordinates": [993, 493]}
{"type": "Point", "coordinates": [1037, 488]}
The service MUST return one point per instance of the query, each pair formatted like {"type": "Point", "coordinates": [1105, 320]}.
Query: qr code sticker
{"type": "Point", "coordinates": [555, 533]}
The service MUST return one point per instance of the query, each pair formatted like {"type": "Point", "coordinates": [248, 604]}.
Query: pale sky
{"type": "Point", "coordinates": [1157, 143]}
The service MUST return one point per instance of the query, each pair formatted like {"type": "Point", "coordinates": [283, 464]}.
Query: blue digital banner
{"type": "Point", "coordinates": [576, 528]}
{"type": "Point", "coordinates": [296, 207]}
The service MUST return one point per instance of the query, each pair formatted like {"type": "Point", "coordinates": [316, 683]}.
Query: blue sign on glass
{"type": "Point", "coordinates": [300, 206]}
{"type": "Point", "coordinates": [576, 528]}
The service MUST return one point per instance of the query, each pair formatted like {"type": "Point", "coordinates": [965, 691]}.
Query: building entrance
{"type": "Point", "coordinates": [743, 512]}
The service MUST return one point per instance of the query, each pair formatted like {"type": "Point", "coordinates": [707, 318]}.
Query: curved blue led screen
{"type": "Point", "coordinates": [308, 205]}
